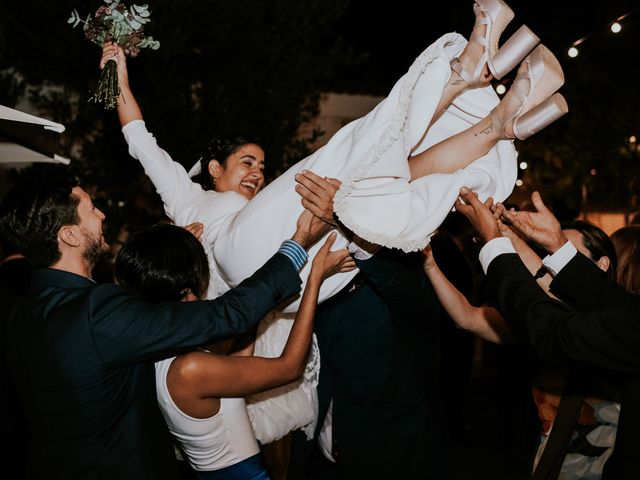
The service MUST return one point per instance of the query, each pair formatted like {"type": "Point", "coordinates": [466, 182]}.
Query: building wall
{"type": "Point", "coordinates": [336, 110]}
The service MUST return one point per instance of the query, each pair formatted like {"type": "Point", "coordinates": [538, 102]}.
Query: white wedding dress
{"type": "Point", "coordinates": [376, 200]}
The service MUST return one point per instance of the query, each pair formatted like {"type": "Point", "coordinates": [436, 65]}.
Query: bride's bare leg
{"type": "Point", "coordinates": [460, 150]}
{"type": "Point", "coordinates": [468, 61]}
{"type": "Point", "coordinates": [457, 151]}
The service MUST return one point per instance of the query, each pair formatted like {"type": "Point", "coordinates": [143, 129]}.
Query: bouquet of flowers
{"type": "Point", "coordinates": [113, 22]}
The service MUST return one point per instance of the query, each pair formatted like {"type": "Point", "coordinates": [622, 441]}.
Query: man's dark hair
{"type": "Point", "coordinates": [597, 242]}
{"type": "Point", "coordinates": [162, 263]}
{"type": "Point", "coordinates": [34, 210]}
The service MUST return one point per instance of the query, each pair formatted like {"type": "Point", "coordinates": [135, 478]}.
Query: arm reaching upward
{"type": "Point", "coordinates": [184, 201]}
{"type": "Point", "coordinates": [196, 379]}
{"type": "Point", "coordinates": [485, 322]}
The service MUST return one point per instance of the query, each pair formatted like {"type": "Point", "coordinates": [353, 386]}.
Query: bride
{"type": "Point", "coordinates": [401, 166]}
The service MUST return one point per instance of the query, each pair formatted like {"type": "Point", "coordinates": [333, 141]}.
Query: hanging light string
{"type": "Point", "coordinates": [614, 26]}
{"type": "Point", "coordinates": [572, 50]}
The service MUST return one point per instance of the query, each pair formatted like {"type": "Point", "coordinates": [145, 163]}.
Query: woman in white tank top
{"type": "Point", "coordinates": [201, 393]}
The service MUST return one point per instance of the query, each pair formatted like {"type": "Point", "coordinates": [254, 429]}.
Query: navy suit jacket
{"type": "Point", "coordinates": [81, 356]}
{"type": "Point", "coordinates": [379, 363]}
{"type": "Point", "coordinates": [598, 326]}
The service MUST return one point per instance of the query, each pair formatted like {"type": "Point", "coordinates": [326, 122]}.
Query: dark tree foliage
{"type": "Point", "coordinates": [224, 67]}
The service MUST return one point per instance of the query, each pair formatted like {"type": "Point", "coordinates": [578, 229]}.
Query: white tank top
{"type": "Point", "coordinates": [209, 443]}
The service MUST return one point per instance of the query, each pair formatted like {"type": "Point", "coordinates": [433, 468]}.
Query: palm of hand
{"type": "Point", "coordinates": [541, 227]}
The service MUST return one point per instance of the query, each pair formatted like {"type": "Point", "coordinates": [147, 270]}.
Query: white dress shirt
{"type": "Point", "coordinates": [500, 245]}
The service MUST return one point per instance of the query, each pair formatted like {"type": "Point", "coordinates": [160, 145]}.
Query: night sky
{"type": "Point", "coordinates": [394, 33]}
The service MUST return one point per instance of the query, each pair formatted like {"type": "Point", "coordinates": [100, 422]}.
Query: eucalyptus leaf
{"type": "Point", "coordinates": [123, 27]}
{"type": "Point", "coordinates": [135, 24]}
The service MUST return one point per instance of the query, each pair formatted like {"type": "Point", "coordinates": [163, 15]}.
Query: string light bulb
{"type": "Point", "coordinates": [615, 26]}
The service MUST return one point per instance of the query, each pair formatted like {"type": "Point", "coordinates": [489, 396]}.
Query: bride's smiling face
{"type": "Point", "coordinates": [242, 171]}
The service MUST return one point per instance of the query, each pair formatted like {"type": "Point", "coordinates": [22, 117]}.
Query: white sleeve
{"type": "Point", "coordinates": [360, 253]}
{"type": "Point", "coordinates": [180, 195]}
{"type": "Point", "coordinates": [560, 258]}
{"type": "Point", "coordinates": [493, 248]}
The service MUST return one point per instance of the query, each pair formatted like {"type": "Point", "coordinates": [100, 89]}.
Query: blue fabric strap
{"type": "Point", "coordinates": [294, 251]}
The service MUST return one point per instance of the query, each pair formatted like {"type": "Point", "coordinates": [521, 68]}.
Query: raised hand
{"type": "Point", "coordinates": [196, 229]}
{"type": "Point", "coordinates": [540, 226]}
{"type": "Point", "coordinates": [111, 51]}
{"type": "Point", "coordinates": [310, 229]}
{"type": "Point", "coordinates": [478, 213]}
{"type": "Point", "coordinates": [317, 194]}
{"type": "Point", "coordinates": [504, 226]}
{"type": "Point", "coordinates": [327, 263]}
{"type": "Point", "coordinates": [429, 261]}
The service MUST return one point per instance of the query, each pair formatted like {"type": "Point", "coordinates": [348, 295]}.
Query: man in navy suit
{"type": "Point", "coordinates": [597, 326]}
{"type": "Point", "coordinates": [380, 412]}
{"type": "Point", "coordinates": [81, 354]}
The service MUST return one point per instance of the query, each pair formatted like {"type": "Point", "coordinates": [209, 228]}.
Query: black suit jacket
{"type": "Point", "coordinates": [379, 363]}
{"type": "Point", "coordinates": [599, 327]}
{"type": "Point", "coordinates": [14, 281]}
{"type": "Point", "coordinates": [81, 356]}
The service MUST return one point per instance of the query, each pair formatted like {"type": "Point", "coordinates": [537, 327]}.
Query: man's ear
{"type": "Point", "coordinates": [215, 169]}
{"type": "Point", "coordinates": [68, 235]}
{"type": "Point", "coordinates": [604, 263]}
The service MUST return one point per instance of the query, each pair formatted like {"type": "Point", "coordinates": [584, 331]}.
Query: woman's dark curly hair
{"type": "Point", "coordinates": [163, 263]}
{"type": "Point", "coordinates": [218, 149]}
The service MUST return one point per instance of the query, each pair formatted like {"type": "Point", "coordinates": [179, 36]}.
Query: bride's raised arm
{"type": "Point", "coordinates": [184, 201]}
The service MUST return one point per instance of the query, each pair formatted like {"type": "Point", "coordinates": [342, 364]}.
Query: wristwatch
{"type": "Point", "coordinates": [542, 271]}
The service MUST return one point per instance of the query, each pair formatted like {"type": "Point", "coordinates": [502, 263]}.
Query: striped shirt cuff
{"type": "Point", "coordinates": [294, 251]}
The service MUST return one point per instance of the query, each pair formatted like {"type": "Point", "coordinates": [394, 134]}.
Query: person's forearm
{"type": "Point", "coordinates": [532, 261]}
{"type": "Point", "coordinates": [465, 316]}
{"type": "Point", "coordinates": [297, 346]}
{"type": "Point", "coordinates": [128, 108]}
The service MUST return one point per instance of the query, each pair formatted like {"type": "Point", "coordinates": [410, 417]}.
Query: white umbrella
{"type": "Point", "coordinates": [26, 139]}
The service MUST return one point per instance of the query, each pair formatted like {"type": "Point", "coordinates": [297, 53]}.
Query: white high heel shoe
{"type": "Point", "coordinates": [539, 76]}
{"type": "Point", "coordinates": [496, 15]}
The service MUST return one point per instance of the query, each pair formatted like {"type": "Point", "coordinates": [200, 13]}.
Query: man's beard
{"type": "Point", "coordinates": [95, 248]}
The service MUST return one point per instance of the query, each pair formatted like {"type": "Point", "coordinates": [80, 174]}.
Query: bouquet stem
{"type": "Point", "coordinates": [108, 89]}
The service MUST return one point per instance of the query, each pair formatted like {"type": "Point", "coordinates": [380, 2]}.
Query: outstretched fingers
{"type": "Point", "coordinates": [317, 194]}
{"type": "Point", "coordinates": [327, 263]}
{"type": "Point", "coordinates": [538, 203]}
{"type": "Point", "coordinates": [521, 222]}
{"type": "Point", "coordinates": [467, 200]}
{"type": "Point", "coordinates": [479, 213]}
{"type": "Point", "coordinates": [347, 265]}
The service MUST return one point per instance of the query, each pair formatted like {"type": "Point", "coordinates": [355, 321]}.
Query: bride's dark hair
{"type": "Point", "coordinates": [218, 149]}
